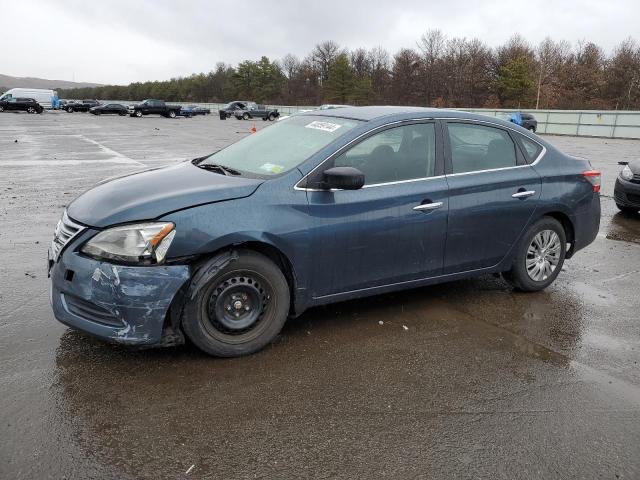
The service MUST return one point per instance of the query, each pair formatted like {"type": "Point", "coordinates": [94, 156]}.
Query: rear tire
{"type": "Point", "coordinates": [624, 209]}
{"type": "Point", "coordinates": [1, 108]}
{"type": "Point", "coordinates": [532, 129]}
{"type": "Point", "coordinates": [240, 310]}
{"type": "Point", "coordinates": [70, 109]}
{"type": "Point", "coordinates": [138, 113]}
{"type": "Point", "coordinates": [31, 110]}
{"type": "Point", "coordinates": [539, 256]}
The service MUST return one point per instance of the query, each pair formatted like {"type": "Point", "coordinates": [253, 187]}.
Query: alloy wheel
{"type": "Point", "coordinates": [543, 255]}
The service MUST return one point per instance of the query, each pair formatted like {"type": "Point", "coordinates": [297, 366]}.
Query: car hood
{"type": "Point", "coordinates": [152, 193]}
{"type": "Point", "coordinates": [635, 167]}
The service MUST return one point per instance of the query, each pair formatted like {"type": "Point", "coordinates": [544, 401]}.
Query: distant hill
{"type": "Point", "coordinates": [7, 81]}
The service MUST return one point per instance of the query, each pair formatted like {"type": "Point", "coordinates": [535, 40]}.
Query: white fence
{"type": "Point", "coordinates": [581, 123]}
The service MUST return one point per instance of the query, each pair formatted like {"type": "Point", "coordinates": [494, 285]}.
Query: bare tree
{"type": "Point", "coordinates": [323, 55]}
{"type": "Point", "coordinates": [431, 44]}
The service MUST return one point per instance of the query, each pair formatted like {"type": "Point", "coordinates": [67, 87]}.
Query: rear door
{"type": "Point", "coordinates": [493, 194]}
{"type": "Point", "coordinates": [393, 229]}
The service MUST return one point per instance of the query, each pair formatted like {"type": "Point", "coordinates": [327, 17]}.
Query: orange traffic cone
{"type": "Point", "coordinates": [253, 129]}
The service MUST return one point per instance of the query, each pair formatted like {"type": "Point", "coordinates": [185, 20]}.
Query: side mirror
{"type": "Point", "coordinates": [343, 178]}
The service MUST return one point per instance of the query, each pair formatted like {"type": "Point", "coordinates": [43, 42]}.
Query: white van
{"type": "Point", "coordinates": [46, 98]}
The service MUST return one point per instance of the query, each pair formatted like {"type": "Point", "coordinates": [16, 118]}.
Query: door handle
{"type": "Point", "coordinates": [427, 206]}
{"type": "Point", "coordinates": [524, 194]}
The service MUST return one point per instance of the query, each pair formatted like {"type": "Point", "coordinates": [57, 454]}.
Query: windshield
{"type": "Point", "coordinates": [281, 147]}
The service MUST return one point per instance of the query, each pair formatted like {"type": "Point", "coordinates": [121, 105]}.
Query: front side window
{"type": "Point", "coordinates": [283, 146]}
{"type": "Point", "coordinates": [393, 155]}
{"type": "Point", "coordinates": [478, 147]}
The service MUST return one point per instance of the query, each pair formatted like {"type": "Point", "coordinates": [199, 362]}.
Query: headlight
{"type": "Point", "coordinates": [626, 173]}
{"type": "Point", "coordinates": [140, 243]}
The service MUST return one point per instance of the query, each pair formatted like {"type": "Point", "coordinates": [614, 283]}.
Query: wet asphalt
{"type": "Point", "coordinates": [462, 380]}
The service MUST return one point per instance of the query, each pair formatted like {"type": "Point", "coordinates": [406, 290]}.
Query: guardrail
{"type": "Point", "coordinates": [581, 123]}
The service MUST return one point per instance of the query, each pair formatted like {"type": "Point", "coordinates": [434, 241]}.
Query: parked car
{"type": "Point", "coordinates": [28, 105]}
{"type": "Point", "coordinates": [331, 106]}
{"type": "Point", "coordinates": [193, 110]}
{"type": "Point", "coordinates": [525, 120]}
{"type": "Point", "coordinates": [254, 110]}
{"type": "Point", "coordinates": [109, 109]}
{"type": "Point", "coordinates": [319, 208]}
{"type": "Point", "coordinates": [83, 106]}
{"type": "Point", "coordinates": [229, 109]}
{"type": "Point", "coordinates": [627, 189]}
{"type": "Point", "coordinates": [154, 107]}
{"type": "Point", "coordinates": [529, 122]}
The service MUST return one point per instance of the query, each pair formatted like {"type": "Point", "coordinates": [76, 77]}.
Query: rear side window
{"type": "Point", "coordinates": [530, 148]}
{"type": "Point", "coordinates": [393, 155]}
{"type": "Point", "coordinates": [478, 147]}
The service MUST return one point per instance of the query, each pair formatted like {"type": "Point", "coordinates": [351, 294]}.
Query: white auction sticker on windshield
{"type": "Point", "coordinates": [325, 126]}
{"type": "Point", "coordinates": [271, 167]}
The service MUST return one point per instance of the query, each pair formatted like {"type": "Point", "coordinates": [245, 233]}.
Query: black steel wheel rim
{"type": "Point", "coordinates": [236, 305]}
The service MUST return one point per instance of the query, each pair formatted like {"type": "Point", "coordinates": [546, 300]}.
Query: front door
{"type": "Point", "coordinates": [393, 229]}
{"type": "Point", "coordinates": [493, 193]}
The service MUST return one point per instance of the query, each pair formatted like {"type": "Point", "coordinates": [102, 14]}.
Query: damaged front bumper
{"type": "Point", "coordinates": [123, 304]}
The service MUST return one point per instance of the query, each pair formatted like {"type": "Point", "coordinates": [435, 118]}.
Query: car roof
{"type": "Point", "coordinates": [401, 113]}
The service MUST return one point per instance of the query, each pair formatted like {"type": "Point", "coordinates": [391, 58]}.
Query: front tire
{"type": "Point", "coordinates": [240, 310]}
{"type": "Point", "coordinates": [172, 114]}
{"type": "Point", "coordinates": [272, 117]}
{"type": "Point", "coordinates": [246, 116]}
{"type": "Point", "coordinates": [1, 108]}
{"type": "Point", "coordinates": [539, 256]}
{"type": "Point", "coordinates": [138, 113]}
{"type": "Point", "coordinates": [31, 110]}
{"type": "Point", "coordinates": [70, 110]}
{"type": "Point", "coordinates": [532, 129]}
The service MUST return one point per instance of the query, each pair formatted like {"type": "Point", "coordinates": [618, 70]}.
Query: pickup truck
{"type": "Point", "coordinates": [253, 110]}
{"type": "Point", "coordinates": [154, 107]}
{"type": "Point", "coordinates": [83, 106]}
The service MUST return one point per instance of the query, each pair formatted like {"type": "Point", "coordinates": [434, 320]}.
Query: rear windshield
{"type": "Point", "coordinates": [283, 146]}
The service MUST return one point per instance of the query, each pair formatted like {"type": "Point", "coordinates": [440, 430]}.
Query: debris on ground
{"type": "Point", "coordinates": [189, 470]}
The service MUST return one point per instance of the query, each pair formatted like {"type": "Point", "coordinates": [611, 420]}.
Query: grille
{"type": "Point", "coordinates": [65, 231]}
{"type": "Point", "coordinates": [90, 311]}
{"type": "Point", "coordinates": [633, 198]}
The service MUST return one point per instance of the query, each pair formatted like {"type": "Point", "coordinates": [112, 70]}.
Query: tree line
{"type": "Point", "coordinates": [439, 72]}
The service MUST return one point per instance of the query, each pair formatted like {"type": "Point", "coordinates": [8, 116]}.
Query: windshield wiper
{"type": "Point", "coordinates": [221, 169]}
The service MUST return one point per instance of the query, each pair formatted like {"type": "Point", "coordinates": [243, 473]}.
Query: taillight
{"type": "Point", "coordinates": [594, 177]}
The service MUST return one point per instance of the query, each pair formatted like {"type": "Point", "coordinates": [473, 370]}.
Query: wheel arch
{"type": "Point", "coordinates": [567, 225]}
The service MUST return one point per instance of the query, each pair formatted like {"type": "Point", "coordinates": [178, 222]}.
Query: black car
{"type": "Point", "coordinates": [154, 107]}
{"type": "Point", "coordinates": [627, 189]}
{"type": "Point", "coordinates": [83, 106]}
{"type": "Point", "coordinates": [109, 109]}
{"type": "Point", "coordinates": [28, 105]}
{"type": "Point", "coordinates": [529, 122]}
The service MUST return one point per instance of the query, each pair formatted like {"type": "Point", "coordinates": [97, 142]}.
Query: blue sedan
{"type": "Point", "coordinates": [321, 207]}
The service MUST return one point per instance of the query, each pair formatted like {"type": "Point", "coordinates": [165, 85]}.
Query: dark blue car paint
{"type": "Point", "coordinates": [337, 245]}
{"type": "Point", "coordinates": [139, 297]}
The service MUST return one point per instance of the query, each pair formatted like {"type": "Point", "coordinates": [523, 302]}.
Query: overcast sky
{"type": "Point", "coordinates": [120, 41]}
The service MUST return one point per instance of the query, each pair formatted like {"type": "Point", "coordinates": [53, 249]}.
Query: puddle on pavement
{"type": "Point", "coordinates": [624, 227]}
